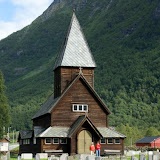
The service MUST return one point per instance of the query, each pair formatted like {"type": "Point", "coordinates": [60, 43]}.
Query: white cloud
{"type": "Point", "coordinates": [6, 28]}
{"type": "Point", "coordinates": [25, 12]}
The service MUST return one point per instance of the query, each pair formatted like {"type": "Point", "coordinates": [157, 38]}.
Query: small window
{"type": "Point", "coordinates": [85, 107]}
{"type": "Point", "coordinates": [103, 141]}
{"type": "Point", "coordinates": [110, 140]}
{"type": "Point", "coordinates": [75, 108]}
{"type": "Point", "coordinates": [117, 140]}
{"type": "Point", "coordinates": [48, 140]}
{"type": "Point", "coordinates": [63, 141]}
{"type": "Point", "coordinates": [80, 108]}
{"type": "Point", "coordinates": [55, 141]}
{"type": "Point", "coordinates": [26, 141]}
{"type": "Point", "coordinates": [34, 140]}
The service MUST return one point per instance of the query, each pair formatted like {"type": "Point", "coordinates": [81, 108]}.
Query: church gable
{"type": "Point", "coordinates": [79, 94]}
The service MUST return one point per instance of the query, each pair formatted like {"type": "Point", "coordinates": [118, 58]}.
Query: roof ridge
{"type": "Point", "coordinates": [59, 57]}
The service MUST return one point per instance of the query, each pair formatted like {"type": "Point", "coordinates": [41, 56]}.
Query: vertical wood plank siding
{"type": "Point", "coordinates": [31, 148]}
{"type": "Point", "coordinates": [64, 75]}
{"type": "Point", "coordinates": [113, 146]}
{"type": "Point", "coordinates": [64, 147]}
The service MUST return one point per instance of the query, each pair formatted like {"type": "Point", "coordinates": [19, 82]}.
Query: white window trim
{"type": "Point", "coordinates": [104, 142]}
{"type": "Point", "coordinates": [48, 143]}
{"type": "Point", "coordinates": [78, 108]}
{"type": "Point", "coordinates": [55, 138]}
{"type": "Point", "coordinates": [109, 138]}
{"type": "Point", "coordinates": [119, 141]}
{"type": "Point", "coordinates": [61, 141]}
{"type": "Point", "coordinates": [34, 140]}
{"type": "Point", "coordinates": [26, 141]}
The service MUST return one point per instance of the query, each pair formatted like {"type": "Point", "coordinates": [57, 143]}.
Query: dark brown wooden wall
{"type": "Point", "coordinates": [64, 75]}
{"type": "Point", "coordinates": [43, 121]}
{"type": "Point", "coordinates": [31, 148]}
{"type": "Point", "coordinates": [62, 114]}
{"type": "Point", "coordinates": [64, 147]}
{"type": "Point", "coordinates": [57, 84]}
{"type": "Point", "coordinates": [113, 146]}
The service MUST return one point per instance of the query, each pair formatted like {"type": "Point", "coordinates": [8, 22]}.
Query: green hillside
{"type": "Point", "coordinates": [124, 37]}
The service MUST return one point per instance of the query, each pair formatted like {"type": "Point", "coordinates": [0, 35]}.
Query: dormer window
{"type": "Point", "coordinates": [80, 108]}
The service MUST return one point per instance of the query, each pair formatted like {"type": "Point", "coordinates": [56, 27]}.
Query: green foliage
{"type": "Point", "coordinates": [124, 39]}
{"type": "Point", "coordinates": [4, 107]}
{"type": "Point", "coordinates": [151, 131]}
{"type": "Point", "coordinates": [134, 133]}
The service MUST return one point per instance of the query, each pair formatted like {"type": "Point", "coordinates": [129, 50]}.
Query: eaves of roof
{"type": "Point", "coordinates": [91, 89]}
{"type": "Point", "coordinates": [50, 104]}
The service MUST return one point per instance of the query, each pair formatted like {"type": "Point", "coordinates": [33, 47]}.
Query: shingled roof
{"type": "Point", "coordinates": [48, 106]}
{"type": "Point", "coordinates": [110, 133]}
{"type": "Point", "coordinates": [60, 131]}
{"type": "Point", "coordinates": [148, 139]}
{"type": "Point", "coordinates": [55, 132]}
{"type": "Point", "coordinates": [75, 52]}
{"type": "Point", "coordinates": [26, 134]}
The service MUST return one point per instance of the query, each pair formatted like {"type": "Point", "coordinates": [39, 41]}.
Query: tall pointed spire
{"type": "Point", "coordinates": [75, 52]}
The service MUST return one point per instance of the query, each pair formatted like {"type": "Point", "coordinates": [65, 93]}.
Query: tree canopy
{"type": "Point", "coordinates": [4, 107]}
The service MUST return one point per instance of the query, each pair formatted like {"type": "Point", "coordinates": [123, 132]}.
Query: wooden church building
{"type": "Point", "coordinates": [74, 116]}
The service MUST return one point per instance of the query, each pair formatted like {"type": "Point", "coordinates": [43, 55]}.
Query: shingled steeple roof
{"type": "Point", "coordinates": [75, 52]}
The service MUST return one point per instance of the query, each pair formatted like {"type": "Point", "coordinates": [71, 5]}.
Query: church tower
{"type": "Point", "coordinates": [75, 58]}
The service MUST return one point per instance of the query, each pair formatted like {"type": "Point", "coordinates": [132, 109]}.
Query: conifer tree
{"type": "Point", "coordinates": [4, 107]}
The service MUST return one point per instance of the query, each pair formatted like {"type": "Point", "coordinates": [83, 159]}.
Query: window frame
{"type": "Point", "coordinates": [118, 142]}
{"type": "Point", "coordinates": [26, 141]}
{"type": "Point", "coordinates": [61, 141]}
{"type": "Point", "coordinates": [55, 138]}
{"type": "Point", "coordinates": [102, 142]}
{"type": "Point", "coordinates": [34, 140]}
{"type": "Point", "coordinates": [48, 138]}
{"type": "Point", "coordinates": [108, 139]}
{"type": "Point", "coordinates": [78, 110]}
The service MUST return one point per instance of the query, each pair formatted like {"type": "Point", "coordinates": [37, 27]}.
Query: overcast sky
{"type": "Point", "coordinates": [16, 14]}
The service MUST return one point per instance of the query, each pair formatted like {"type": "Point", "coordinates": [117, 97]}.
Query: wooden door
{"type": "Point", "coordinates": [84, 142]}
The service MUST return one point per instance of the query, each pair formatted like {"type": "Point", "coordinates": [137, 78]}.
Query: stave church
{"type": "Point", "coordinates": [74, 116]}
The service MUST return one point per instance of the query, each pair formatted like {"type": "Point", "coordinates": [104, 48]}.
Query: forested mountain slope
{"type": "Point", "coordinates": [124, 37]}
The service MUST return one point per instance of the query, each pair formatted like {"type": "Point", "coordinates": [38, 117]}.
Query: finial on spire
{"type": "Point", "coordinates": [80, 70]}
{"type": "Point", "coordinates": [74, 10]}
